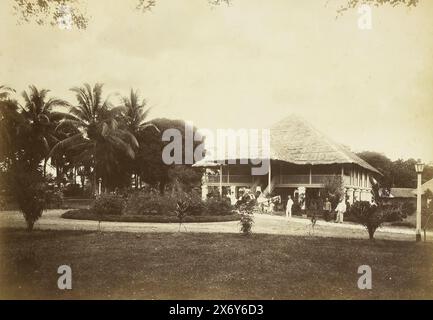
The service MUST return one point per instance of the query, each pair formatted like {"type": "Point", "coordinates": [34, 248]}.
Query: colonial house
{"type": "Point", "coordinates": [302, 160]}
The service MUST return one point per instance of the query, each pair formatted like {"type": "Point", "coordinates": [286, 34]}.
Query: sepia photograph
{"type": "Point", "coordinates": [238, 151]}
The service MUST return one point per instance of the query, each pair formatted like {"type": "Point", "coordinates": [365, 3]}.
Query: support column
{"type": "Point", "coordinates": [233, 195]}
{"type": "Point", "coordinates": [311, 176]}
{"type": "Point", "coordinates": [349, 192]}
{"type": "Point", "coordinates": [204, 188]}
{"type": "Point", "coordinates": [357, 195]}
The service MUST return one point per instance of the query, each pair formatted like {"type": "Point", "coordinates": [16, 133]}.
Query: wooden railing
{"type": "Point", "coordinates": [303, 179]}
{"type": "Point", "coordinates": [231, 179]}
{"type": "Point", "coordinates": [294, 179]}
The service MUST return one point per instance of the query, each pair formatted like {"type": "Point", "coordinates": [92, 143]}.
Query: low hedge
{"type": "Point", "coordinates": [85, 214]}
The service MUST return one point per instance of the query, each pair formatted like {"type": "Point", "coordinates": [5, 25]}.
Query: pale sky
{"type": "Point", "coordinates": [246, 65]}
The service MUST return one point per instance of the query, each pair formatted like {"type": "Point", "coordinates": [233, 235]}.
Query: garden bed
{"type": "Point", "coordinates": [84, 214]}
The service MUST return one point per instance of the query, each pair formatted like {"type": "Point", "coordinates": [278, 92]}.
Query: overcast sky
{"type": "Point", "coordinates": [247, 65]}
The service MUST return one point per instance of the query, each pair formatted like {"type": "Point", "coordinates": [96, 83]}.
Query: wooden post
{"type": "Point", "coordinates": [311, 178]}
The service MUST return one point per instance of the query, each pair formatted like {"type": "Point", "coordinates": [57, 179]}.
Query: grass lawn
{"type": "Point", "coordinates": [209, 266]}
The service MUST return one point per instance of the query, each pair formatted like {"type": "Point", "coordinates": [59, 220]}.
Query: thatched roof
{"type": "Point", "coordinates": [295, 141]}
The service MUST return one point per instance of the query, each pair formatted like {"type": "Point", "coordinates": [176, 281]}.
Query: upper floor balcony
{"type": "Point", "coordinates": [316, 180]}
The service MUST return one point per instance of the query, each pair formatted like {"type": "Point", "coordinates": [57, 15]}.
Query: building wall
{"type": "Point", "coordinates": [356, 180]}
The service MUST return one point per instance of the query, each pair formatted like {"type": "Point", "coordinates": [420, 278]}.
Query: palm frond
{"type": "Point", "coordinates": [66, 143]}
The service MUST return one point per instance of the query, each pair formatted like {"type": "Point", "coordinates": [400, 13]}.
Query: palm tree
{"type": "Point", "coordinates": [5, 92]}
{"type": "Point", "coordinates": [96, 138]}
{"type": "Point", "coordinates": [41, 120]}
{"type": "Point", "coordinates": [134, 114]}
{"type": "Point", "coordinates": [11, 120]}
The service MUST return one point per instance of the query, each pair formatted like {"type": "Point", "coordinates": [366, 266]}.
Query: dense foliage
{"type": "Point", "coordinates": [30, 190]}
{"type": "Point", "coordinates": [108, 204]}
{"type": "Point", "coordinates": [399, 173]}
{"type": "Point", "coordinates": [98, 143]}
{"type": "Point", "coordinates": [151, 202]}
{"type": "Point", "coordinates": [368, 215]}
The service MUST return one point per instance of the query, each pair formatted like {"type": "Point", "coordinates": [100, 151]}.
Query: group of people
{"type": "Point", "coordinates": [327, 208]}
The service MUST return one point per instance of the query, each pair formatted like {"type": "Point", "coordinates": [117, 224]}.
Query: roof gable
{"type": "Point", "coordinates": [295, 140]}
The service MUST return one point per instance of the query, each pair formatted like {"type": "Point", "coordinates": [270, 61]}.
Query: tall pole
{"type": "Point", "coordinates": [418, 209]}
{"type": "Point", "coordinates": [221, 180]}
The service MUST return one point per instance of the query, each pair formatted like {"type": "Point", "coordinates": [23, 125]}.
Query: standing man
{"type": "Point", "coordinates": [289, 207]}
{"type": "Point", "coordinates": [341, 209]}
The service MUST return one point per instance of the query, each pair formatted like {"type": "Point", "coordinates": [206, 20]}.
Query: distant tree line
{"type": "Point", "coordinates": [107, 143]}
{"type": "Point", "coordinates": [399, 173]}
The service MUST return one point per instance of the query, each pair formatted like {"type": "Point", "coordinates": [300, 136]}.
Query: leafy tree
{"type": "Point", "coordinates": [151, 168]}
{"type": "Point", "coordinates": [96, 138]}
{"type": "Point", "coordinates": [381, 163]}
{"type": "Point", "coordinates": [399, 173]}
{"type": "Point", "coordinates": [351, 4]}
{"type": "Point", "coordinates": [333, 189]}
{"type": "Point", "coordinates": [44, 12]}
{"type": "Point", "coordinates": [185, 177]}
{"type": "Point", "coordinates": [29, 188]}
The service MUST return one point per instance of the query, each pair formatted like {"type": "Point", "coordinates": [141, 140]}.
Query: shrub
{"type": "Point", "coordinates": [152, 202]}
{"type": "Point", "coordinates": [29, 188]}
{"type": "Point", "coordinates": [246, 222]}
{"type": "Point", "coordinates": [392, 212]}
{"type": "Point", "coordinates": [408, 208]}
{"type": "Point", "coordinates": [296, 209]}
{"type": "Point", "coordinates": [195, 206]}
{"type": "Point", "coordinates": [246, 207]}
{"type": "Point", "coordinates": [108, 204]}
{"type": "Point", "coordinates": [371, 216]}
{"type": "Point", "coordinates": [54, 198]}
{"type": "Point", "coordinates": [73, 190]}
{"type": "Point", "coordinates": [218, 206]}
{"type": "Point", "coordinates": [148, 202]}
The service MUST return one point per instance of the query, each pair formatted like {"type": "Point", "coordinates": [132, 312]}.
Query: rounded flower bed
{"type": "Point", "coordinates": [87, 214]}
{"type": "Point", "coordinates": [152, 206]}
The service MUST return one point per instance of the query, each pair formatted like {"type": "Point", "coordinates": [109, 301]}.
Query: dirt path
{"type": "Point", "coordinates": [266, 224]}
